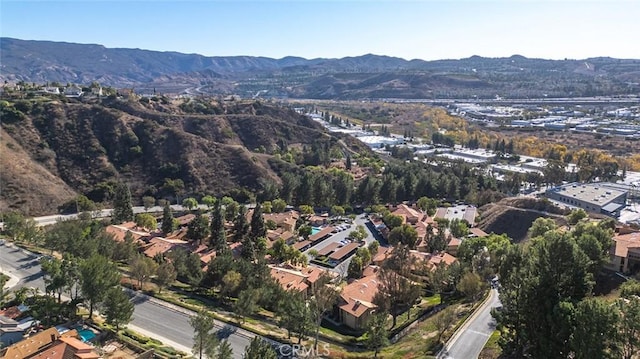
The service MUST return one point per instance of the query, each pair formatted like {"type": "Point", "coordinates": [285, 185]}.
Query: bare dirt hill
{"type": "Point", "coordinates": [515, 215]}
{"type": "Point", "coordinates": [27, 184]}
{"type": "Point", "coordinates": [54, 148]}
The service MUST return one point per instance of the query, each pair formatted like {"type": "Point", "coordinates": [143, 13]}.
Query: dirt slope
{"type": "Point", "coordinates": [514, 216]}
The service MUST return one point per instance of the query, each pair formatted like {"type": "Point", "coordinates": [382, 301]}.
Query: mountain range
{"type": "Point", "coordinates": [362, 77]}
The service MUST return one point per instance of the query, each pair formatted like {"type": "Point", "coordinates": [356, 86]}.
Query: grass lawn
{"type": "Point", "coordinates": [491, 350]}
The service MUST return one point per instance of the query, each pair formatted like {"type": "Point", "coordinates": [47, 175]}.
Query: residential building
{"type": "Point", "coordinates": [625, 253]}
{"type": "Point", "coordinates": [299, 280]}
{"type": "Point", "coordinates": [9, 331]}
{"type": "Point", "coordinates": [355, 304]}
{"type": "Point", "coordinates": [50, 344]}
{"type": "Point", "coordinates": [73, 91]}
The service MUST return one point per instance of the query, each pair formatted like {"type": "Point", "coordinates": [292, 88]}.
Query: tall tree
{"type": "Point", "coordinates": [377, 333]}
{"type": "Point", "coordinates": [165, 275]}
{"type": "Point", "coordinates": [218, 234]}
{"type": "Point", "coordinates": [142, 268]}
{"type": "Point", "coordinates": [167, 219]}
{"type": "Point", "coordinates": [295, 315]}
{"type": "Point", "coordinates": [324, 296]}
{"type": "Point", "coordinates": [224, 350]}
{"type": "Point", "coordinates": [595, 332]}
{"type": "Point", "coordinates": [122, 208]}
{"type": "Point", "coordinates": [258, 229]}
{"type": "Point", "coordinates": [240, 225]}
{"type": "Point", "coordinates": [118, 308]}
{"type": "Point", "coordinates": [259, 349]}
{"type": "Point", "coordinates": [629, 326]}
{"type": "Point", "coordinates": [205, 343]}
{"type": "Point", "coordinates": [97, 276]}
{"type": "Point", "coordinates": [198, 229]}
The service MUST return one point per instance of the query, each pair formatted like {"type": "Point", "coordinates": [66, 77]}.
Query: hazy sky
{"type": "Point", "coordinates": [408, 29]}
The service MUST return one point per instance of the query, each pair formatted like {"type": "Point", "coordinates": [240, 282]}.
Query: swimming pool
{"type": "Point", "coordinates": [315, 230]}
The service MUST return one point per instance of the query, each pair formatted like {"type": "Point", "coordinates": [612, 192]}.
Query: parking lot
{"type": "Point", "coordinates": [340, 238]}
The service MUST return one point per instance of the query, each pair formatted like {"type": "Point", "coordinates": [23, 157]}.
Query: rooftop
{"type": "Point", "coordinates": [592, 193]}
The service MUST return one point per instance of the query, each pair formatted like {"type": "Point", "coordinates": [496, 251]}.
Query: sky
{"type": "Point", "coordinates": [426, 29]}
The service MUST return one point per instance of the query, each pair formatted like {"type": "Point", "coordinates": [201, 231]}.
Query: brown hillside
{"type": "Point", "coordinates": [213, 147]}
{"type": "Point", "coordinates": [514, 216]}
{"type": "Point", "coordinates": [26, 184]}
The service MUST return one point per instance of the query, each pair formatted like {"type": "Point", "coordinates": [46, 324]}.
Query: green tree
{"type": "Point", "coordinates": [218, 233]}
{"type": "Point", "coordinates": [148, 202]}
{"type": "Point", "coordinates": [240, 225]}
{"type": "Point", "coordinates": [295, 315]}
{"type": "Point", "coordinates": [205, 343]}
{"type": "Point", "coordinates": [142, 268]}
{"type": "Point", "coordinates": [470, 285]}
{"type": "Point", "coordinates": [595, 332]}
{"type": "Point", "coordinates": [355, 268]}
{"type": "Point", "coordinates": [267, 207]}
{"type": "Point", "coordinates": [198, 228]}
{"type": "Point", "coordinates": [459, 228]}
{"type": "Point", "coordinates": [392, 221]}
{"type": "Point", "coordinates": [443, 320]}
{"type": "Point", "coordinates": [279, 205]}
{"type": "Point", "coordinates": [97, 276]}
{"type": "Point", "coordinates": [404, 234]}
{"type": "Point", "coordinates": [324, 296]}
{"type": "Point", "coordinates": [125, 250]}
{"type": "Point", "coordinates": [167, 219]}
{"type": "Point", "coordinates": [337, 211]}
{"type": "Point", "coordinates": [373, 248]}
{"type": "Point", "coordinates": [428, 205]}
{"type": "Point", "coordinates": [247, 303]}
{"type": "Point", "coordinates": [305, 231]}
{"type": "Point", "coordinates": [377, 333]}
{"type": "Point", "coordinates": [224, 350]}
{"type": "Point", "coordinates": [165, 275]}
{"type": "Point", "coordinates": [306, 209]}
{"type": "Point", "coordinates": [190, 203]}
{"type": "Point", "coordinates": [231, 208]}
{"type": "Point", "coordinates": [576, 216]}
{"type": "Point", "coordinates": [259, 349]}
{"type": "Point", "coordinates": [209, 201]}
{"type": "Point", "coordinates": [231, 282]}
{"type": "Point", "coordinates": [55, 278]}
{"type": "Point", "coordinates": [13, 224]}
{"type": "Point", "coordinates": [629, 326]}
{"type": "Point", "coordinates": [122, 209]}
{"type": "Point", "coordinates": [145, 220]}
{"type": "Point", "coordinates": [118, 308]}
{"type": "Point", "coordinates": [258, 229]}
{"type": "Point", "coordinates": [541, 226]}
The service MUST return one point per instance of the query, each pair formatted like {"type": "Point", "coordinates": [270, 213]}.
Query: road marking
{"type": "Point", "coordinates": [479, 333]}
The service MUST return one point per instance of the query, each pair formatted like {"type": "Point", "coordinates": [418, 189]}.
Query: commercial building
{"type": "Point", "coordinates": [592, 197]}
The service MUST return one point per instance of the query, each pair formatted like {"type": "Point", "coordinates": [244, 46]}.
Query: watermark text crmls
{"type": "Point", "coordinates": [304, 351]}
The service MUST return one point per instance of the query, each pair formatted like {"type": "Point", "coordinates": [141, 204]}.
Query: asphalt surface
{"type": "Point", "coordinates": [468, 342]}
{"type": "Point", "coordinates": [337, 237]}
{"type": "Point", "coordinates": [151, 317]}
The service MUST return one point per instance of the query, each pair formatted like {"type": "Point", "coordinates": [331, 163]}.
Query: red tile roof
{"type": "Point", "coordinates": [357, 297]}
{"type": "Point", "coordinates": [623, 243]}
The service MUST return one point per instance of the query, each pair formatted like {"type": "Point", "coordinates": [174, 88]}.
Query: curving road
{"type": "Point", "coordinates": [468, 341]}
{"type": "Point", "coordinates": [152, 317]}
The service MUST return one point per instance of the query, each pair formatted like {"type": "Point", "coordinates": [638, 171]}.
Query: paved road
{"type": "Point", "coordinates": [151, 317]}
{"type": "Point", "coordinates": [52, 219]}
{"type": "Point", "coordinates": [468, 342]}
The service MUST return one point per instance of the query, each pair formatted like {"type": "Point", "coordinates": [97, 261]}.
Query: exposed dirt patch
{"type": "Point", "coordinates": [514, 216]}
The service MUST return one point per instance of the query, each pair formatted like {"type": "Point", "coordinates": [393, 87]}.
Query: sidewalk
{"type": "Point", "coordinates": [13, 280]}
{"type": "Point", "coordinates": [164, 341]}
